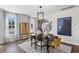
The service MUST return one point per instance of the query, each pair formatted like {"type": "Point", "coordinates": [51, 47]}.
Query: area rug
{"type": "Point", "coordinates": [26, 46]}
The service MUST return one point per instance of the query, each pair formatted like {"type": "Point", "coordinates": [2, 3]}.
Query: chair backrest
{"type": "Point", "coordinates": [56, 43]}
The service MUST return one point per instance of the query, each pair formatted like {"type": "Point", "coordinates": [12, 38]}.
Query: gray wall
{"type": "Point", "coordinates": [74, 13]}
{"type": "Point", "coordinates": [33, 21]}
{"type": "Point", "coordinates": [4, 31]}
{"type": "Point", "coordinates": [21, 19]}
{"type": "Point", "coordinates": [10, 37]}
{"type": "Point", "coordinates": [1, 27]}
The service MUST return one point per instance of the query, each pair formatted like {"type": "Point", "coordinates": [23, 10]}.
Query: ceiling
{"type": "Point", "coordinates": [32, 10]}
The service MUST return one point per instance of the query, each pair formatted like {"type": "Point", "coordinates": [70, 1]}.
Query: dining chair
{"type": "Point", "coordinates": [41, 42]}
{"type": "Point", "coordinates": [56, 43]}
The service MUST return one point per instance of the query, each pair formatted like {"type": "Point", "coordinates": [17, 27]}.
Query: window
{"type": "Point", "coordinates": [11, 26]}
{"type": "Point", "coordinates": [31, 25]}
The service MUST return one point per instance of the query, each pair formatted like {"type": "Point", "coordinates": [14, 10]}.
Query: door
{"type": "Point", "coordinates": [24, 30]}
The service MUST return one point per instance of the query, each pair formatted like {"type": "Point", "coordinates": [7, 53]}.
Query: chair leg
{"type": "Point", "coordinates": [41, 46]}
{"type": "Point", "coordinates": [36, 45]}
{"type": "Point", "coordinates": [47, 47]}
{"type": "Point", "coordinates": [31, 42]}
{"type": "Point", "coordinates": [60, 50]}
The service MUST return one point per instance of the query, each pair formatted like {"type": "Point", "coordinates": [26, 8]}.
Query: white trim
{"type": "Point", "coordinates": [70, 42]}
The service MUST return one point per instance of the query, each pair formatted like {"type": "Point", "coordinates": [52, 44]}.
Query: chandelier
{"type": "Point", "coordinates": [40, 15]}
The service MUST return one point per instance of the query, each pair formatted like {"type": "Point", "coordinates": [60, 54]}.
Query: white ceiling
{"type": "Point", "coordinates": [33, 9]}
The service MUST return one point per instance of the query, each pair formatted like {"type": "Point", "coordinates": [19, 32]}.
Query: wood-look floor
{"type": "Point", "coordinates": [11, 47]}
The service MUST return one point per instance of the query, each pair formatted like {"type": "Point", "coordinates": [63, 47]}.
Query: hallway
{"type": "Point", "coordinates": [12, 47]}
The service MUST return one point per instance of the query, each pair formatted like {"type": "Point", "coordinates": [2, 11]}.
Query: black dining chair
{"type": "Point", "coordinates": [41, 42]}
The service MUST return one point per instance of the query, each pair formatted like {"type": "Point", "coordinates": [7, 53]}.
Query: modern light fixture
{"type": "Point", "coordinates": [40, 15]}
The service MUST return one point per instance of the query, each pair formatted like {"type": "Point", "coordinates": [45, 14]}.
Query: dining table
{"type": "Point", "coordinates": [44, 39]}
